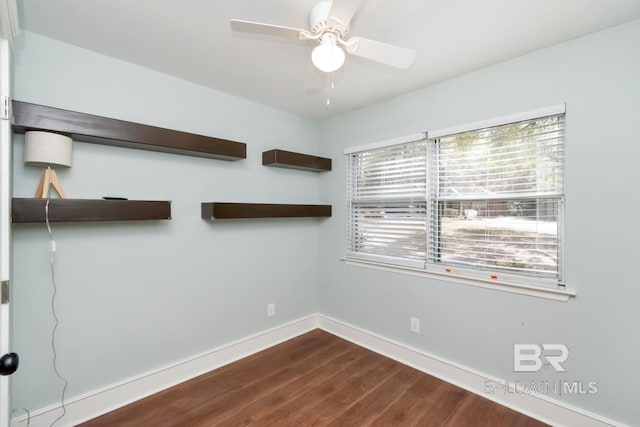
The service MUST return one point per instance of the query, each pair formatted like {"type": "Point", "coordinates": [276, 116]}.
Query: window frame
{"type": "Point", "coordinates": [496, 279]}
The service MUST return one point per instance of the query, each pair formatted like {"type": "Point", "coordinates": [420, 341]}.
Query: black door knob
{"type": "Point", "coordinates": [9, 363]}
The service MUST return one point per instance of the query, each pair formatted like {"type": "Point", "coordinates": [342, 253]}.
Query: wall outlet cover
{"type": "Point", "coordinates": [415, 325]}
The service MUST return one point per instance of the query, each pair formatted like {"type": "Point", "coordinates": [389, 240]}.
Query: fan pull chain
{"type": "Point", "coordinates": [330, 86]}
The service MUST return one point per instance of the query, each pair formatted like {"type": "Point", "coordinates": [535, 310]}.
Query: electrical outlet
{"type": "Point", "coordinates": [415, 325]}
{"type": "Point", "coordinates": [271, 310]}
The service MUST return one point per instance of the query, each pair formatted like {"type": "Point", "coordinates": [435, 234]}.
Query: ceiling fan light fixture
{"type": "Point", "coordinates": [328, 57]}
{"type": "Point", "coordinates": [329, 24]}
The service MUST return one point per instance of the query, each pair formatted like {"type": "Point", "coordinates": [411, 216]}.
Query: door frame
{"type": "Point", "coordinates": [5, 223]}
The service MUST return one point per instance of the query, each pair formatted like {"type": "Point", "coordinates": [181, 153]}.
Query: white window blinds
{"type": "Point", "coordinates": [387, 203]}
{"type": "Point", "coordinates": [497, 198]}
{"type": "Point", "coordinates": [484, 203]}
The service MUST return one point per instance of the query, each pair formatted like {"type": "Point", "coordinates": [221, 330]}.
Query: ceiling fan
{"type": "Point", "coordinates": [329, 22]}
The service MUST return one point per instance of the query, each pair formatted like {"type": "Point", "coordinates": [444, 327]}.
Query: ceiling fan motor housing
{"type": "Point", "coordinates": [319, 17]}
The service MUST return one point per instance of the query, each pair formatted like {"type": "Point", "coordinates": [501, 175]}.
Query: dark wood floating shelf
{"type": "Point", "coordinates": [70, 210]}
{"type": "Point", "coordinates": [102, 130]}
{"type": "Point", "coordinates": [218, 210]}
{"type": "Point", "coordinates": [291, 160]}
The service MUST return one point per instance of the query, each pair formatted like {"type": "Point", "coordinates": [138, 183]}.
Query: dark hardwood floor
{"type": "Point", "coordinates": [316, 379]}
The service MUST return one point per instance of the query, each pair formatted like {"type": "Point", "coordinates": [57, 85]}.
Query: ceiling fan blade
{"type": "Point", "coordinates": [266, 29]}
{"type": "Point", "coordinates": [388, 54]}
{"type": "Point", "coordinates": [344, 10]}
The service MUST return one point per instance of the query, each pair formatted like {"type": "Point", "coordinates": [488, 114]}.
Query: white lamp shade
{"type": "Point", "coordinates": [327, 57]}
{"type": "Point", "coordinates": [47, 149]}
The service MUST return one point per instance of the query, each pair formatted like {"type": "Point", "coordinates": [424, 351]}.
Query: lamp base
{"type": "Point", "coordinates": [48, 179]}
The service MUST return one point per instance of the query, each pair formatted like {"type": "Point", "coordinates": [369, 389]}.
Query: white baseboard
{"type": "Point", "coordinates": [98, 402]}
{"type": "Point", "coordinates": [537, 406]}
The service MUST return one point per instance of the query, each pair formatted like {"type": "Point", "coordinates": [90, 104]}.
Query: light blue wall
{"type": "Point", "coordinates": [135, 296]}
{"type": "Point", "coordinates": [598, 77]}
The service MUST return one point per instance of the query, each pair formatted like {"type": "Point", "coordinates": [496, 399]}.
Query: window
{"type": "Point", "coordinates": [485, 201]}
{"type": "Point", "coordinates": [388, 204]}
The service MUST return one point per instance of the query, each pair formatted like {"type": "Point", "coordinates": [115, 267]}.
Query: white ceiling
{"type": "Point", "coordinates": [192, 40]}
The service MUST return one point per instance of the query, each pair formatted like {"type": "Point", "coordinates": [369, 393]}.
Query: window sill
{"type": "Point", "coordinates": [535, 291]}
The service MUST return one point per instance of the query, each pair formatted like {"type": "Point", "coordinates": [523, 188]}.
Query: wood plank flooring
{"type": "Point", "coordinates": [316, 379]}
